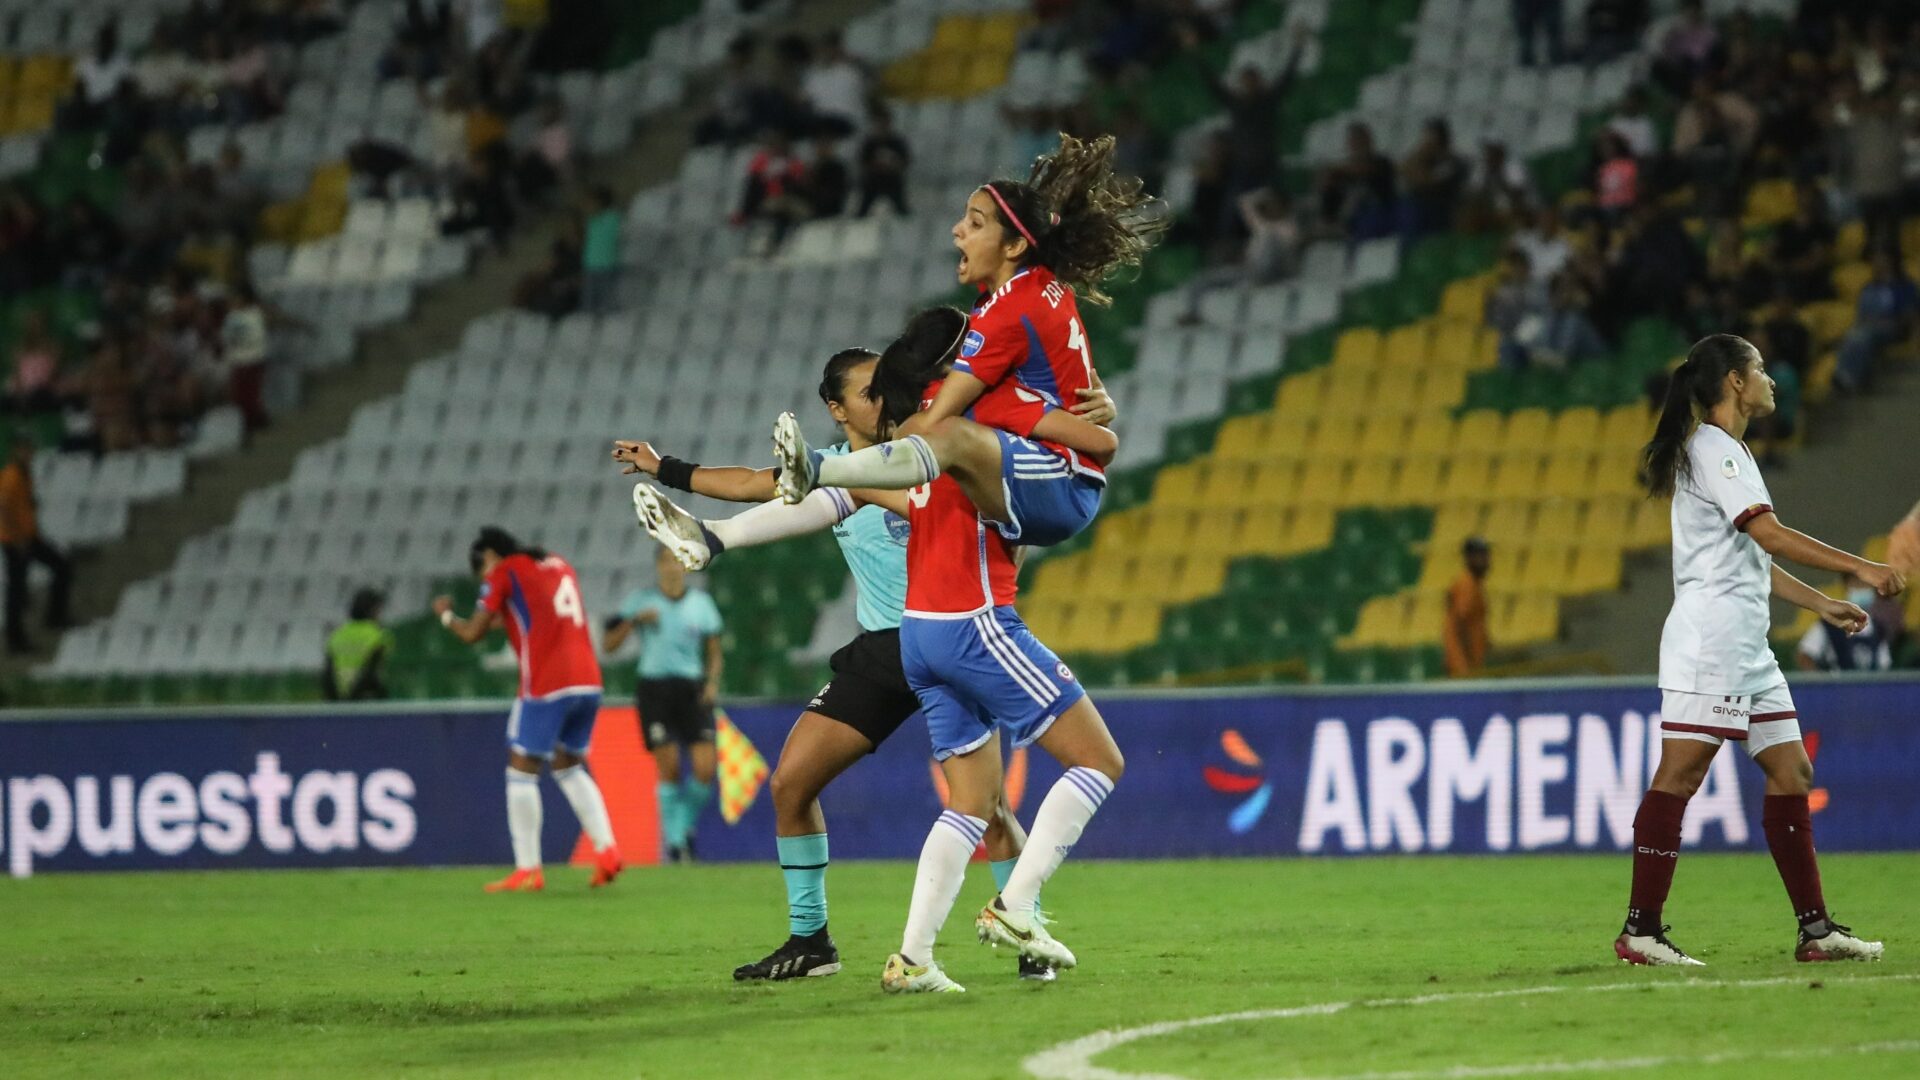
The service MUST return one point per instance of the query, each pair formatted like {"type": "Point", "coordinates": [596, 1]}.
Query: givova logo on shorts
{"type": "Point", "coordinates": [223, 813]}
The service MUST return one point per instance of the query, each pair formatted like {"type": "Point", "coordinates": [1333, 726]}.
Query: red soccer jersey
{"type": "Point", "coordinates": [546, 622]}
{"type": "Point", "coordinates": [956, 562]}
{"type": "Point", "coordinates": [1025, 340]}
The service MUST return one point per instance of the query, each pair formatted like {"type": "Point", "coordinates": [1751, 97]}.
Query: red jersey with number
{"type": "Point", "coordinates": [546, 621]}
{"type": "Point", "coordinates": [957, 563]}
{"type": "Point", "coordinates": [1025, 340]}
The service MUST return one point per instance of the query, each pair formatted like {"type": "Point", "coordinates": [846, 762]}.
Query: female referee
{"type": "Point", "coordinates": [868, 697]}
{"type": "Point", "coordinates": [1718, 678]}
{"type": "Point", "coordinates": [1034, 250]}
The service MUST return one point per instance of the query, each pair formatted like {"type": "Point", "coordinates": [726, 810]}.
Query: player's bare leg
{"type": "Point", "coordinates": [1079, 739]}
{"type": "Point", "coordinates": [523, 825]}
{"type": "Point", "coordinates": [818, 750]}
{"type": "Point", "coordinates": [1788, 822]}
{"type": "Point", "coordinates": [1656, 852]}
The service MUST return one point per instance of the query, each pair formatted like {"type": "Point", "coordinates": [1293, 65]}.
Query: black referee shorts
{"type": "Point", "coordinates": [868, 691]}
{"type": "Point", "coordinates": [671, 712]}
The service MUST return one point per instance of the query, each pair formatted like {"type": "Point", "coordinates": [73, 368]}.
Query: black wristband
{"type": "Point", "coordinates": [676, 474]}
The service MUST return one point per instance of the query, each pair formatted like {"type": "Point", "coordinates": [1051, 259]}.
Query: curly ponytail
{"type": "Point", "coordinates": [1695, 388]}
{"type": "Point", "coordinates": [1079, 219]}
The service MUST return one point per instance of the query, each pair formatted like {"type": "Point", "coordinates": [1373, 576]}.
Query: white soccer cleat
{"type": "Point", "coordinates": [1027, 932]}
{"type": "Point", "coordinates": [902, 976]}
{"type": "Point", "coordinates": [677, 530]}
{"type": "Point", "coordinates": [799, 473]}
{"type": "Point", "coordinates": [1838, 943]}
{"type": "Point", "coordinates": [1653, 950]}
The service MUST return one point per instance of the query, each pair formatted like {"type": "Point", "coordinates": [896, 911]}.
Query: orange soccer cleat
{"type": "Point", "coordinates": [606, 866]}
{"type": "Point", "coordinates": [520, 881]}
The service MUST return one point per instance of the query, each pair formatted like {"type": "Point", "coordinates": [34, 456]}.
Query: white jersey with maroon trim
{"type": "Point", "coordinates": [1715, 639]}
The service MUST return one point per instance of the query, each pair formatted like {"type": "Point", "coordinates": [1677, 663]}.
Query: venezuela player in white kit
{"type": "Point", "coordinates": [1718, 677]}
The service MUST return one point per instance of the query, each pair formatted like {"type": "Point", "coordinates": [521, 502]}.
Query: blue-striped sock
{"type": "Point", "coordinates": [672, 832]}
{"type": "Point", "coordinates": [1003, 872]}
{"type": "Point", "coordinates": [803, 862]}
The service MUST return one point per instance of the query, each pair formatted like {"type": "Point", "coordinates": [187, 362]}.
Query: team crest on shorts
{"type": "Point", "coordinates": [1729, 468]}
{"type": "Point", "coordinates": [974, 342]}
{"type": "Point", "coordinates": [1061, 670]}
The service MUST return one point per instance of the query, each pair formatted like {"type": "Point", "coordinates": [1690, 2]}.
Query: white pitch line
{"type": "Point", "coordinates": [1073, 1060]}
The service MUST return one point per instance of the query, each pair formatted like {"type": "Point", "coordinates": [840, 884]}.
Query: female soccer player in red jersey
{"type": "Point", "coordinates": [1718, 678]}
{"type": "Point", "coordinates": [1034, 250]}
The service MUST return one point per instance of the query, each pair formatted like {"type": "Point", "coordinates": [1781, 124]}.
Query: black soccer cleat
{"type": "Point", "coordinates": [1039, 971]}
{"type": "Point", "coordinates": [801, 957]}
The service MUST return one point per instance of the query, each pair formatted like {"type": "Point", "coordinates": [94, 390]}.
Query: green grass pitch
{"type": "Point", "coordinates": [408, 972]}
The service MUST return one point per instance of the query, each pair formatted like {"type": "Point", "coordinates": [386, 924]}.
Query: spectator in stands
{"type": "Point", "coordinates": [1545, 244]}
{"type": "Point", "coordinates": [1784, 340]}
{"type": "Point", "coordinates": [1272, 250]}
{"type": "Point", "coordinates": [1654, 262]}
{"type": "Point", "coordinates": [1632, 123]}
{"type": "Point", "coordinates": [1542, 19]}
{"type": "Point", "coordinates": [550, 161]}
{"type": "Point", "coordinates": [1874, 136]}
{"type": "Point", "coordinates": [1613, 29]}
{"type": "Point", "coordinates": [32, 387]}
{"type": "Point", "coordinates": [1712, 135]}
{"type": "Point", "coordinates": [600, 254]}
{"type": "Point", "coordinates": [1567, 335]}
{"type": "Point", "coordinates": [834, 88]}
{"type": "Point", "coordinates": [1885, 316]}
{"type": "Point", "coordinates": [23, 545]}
{"type": "Point", "coordinates": [1498, 191]}
{"type": "Point", "coordinates": [1253, 104]}
{"type": "Point", "coordinates": [554, 289]}
{"type": "Point", "coordinates": [1825, 647]}
{"type": "Point", "coordinates": [1802, 254]}
{"type": "Point", "coordinates": [244, 354]}
{"type": "Point", "coordinates": [1356, 196]}
{"type": "Point", "coordinates": [736, 109]}
{"type": "Point", "coordinates": [884, 158]}
{"type": "Point", "coordinates": [354, 668]}
{"type": "Point", "coordinates": [98, 75]}
{"type": "Point", "coordinates": [1730, 267]}
{"type": "Point", "coordinates": [1516, 307]}
{"type": "Point", "coordinates": [108, 386]}
{"type": "Point", "coordinates": [1433, 177]}
{"type": "Point", "coordinates": [829, 181]}
{"type": "Point", "coordinates": [1464, 635]}
{"type": "Point", "coordinates": [775, 193]}
{"type": "Point", "coordinates": [170, 392]}
{"type": "Point", "coordinates": [483, 199]}
{"type": "Point", "coordinates": [1616, 175]}
{"type": "Point", "coordinates": [1688, 48]}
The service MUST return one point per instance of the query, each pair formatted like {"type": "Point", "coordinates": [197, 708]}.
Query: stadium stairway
{"type": "Point", "coordinates": [159, 531]}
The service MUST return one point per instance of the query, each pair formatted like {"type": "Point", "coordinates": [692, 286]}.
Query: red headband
{"type": "Point", "coordinates": [1013, 217]}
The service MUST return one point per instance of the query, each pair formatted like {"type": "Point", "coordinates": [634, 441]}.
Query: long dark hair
{"type": "Point", "coordinates": [1084, 222]}
{"type": "Point", "coordinates": [502, 543]}
{"type": "Point", "coordinates": [922, 353]}
{"type": "Point", "coordinates": [1695, 388]}
{"type": "Point", "coordinates": [833, 381]}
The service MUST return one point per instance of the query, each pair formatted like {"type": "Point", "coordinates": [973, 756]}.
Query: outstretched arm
{"type": "Point", "coordinates": [956, 396]}
{"type": "Point", "coordinates": [734, 483]}
{"type": "Point", "coordinates": [1796, 546]}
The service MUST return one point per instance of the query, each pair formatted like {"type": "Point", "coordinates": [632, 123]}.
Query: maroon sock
{"type": "Point", "coordinates": [1788, 824]}
{"type": "Point", "coordinates": [1656, 851]}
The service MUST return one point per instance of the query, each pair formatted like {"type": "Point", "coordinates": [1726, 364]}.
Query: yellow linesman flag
{"type": "Point", "coordinates": [742, 769]}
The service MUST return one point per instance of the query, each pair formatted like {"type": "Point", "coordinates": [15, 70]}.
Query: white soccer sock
{"type": "Point", "coordinates": [943, 867]}
{"type": "Point", "coordinates": [890, 466]}
{"type": "Point", "coordinates": [771, 521]}
{"type": "Point", "coordinates": [584, 796]}
{"type": "Point", "coordinates": [523, 817]}
{"type": "Point", "coordinates": [1056, 828]}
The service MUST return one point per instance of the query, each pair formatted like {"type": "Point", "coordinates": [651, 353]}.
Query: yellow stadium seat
{"type": "Point", "coordinates": [1652, 523]}
{"type": "Point", "coordinates": [1323, 483]}
{"type": "Point", "coordinates": [1350, 398]}
{"type": "Point", "coordinates": [1244, 438]}
{"type": "Point", "coordinates": [1465, 299]}
{"type": "Point", "coordinates": [1527, 432]}
{"type": "Point", "coordinates": [1849, 278]}
{"type": "Point", "coordinates": [1480, 432]}
{"type": "Point", "coordinates": [1626, 428]}
{"type": "Point", "coordinates": [1827, 320]}
{"type": "Point", "coordinates": [1595, 570]}
{"type": "Point", "coordinates": [1358, 349]}
{"type": "Point", "coordinates": [1569, 474]}
{"type": "Point", "coordinates": [1426, 618]}
{"type": "Point", "coordinates": [1576, 429]}
{"type": "Point", "coordinates": [1557, 522]}
{"type": "Point", "coordinates": [1168, 532]}
{"type": "Point", "coordinates": [1213, 531]}
{"type": "Point", "coordinates": [44, 75]}
{"type": "Point", "coordinates": [1299, 396]}
{"type": "Point", "coordinates": [1769, 202]}
{"type": "Point", "coordinates": [1416, 482]}
{"type": "Point", "coordinates": [1819, 385]}
{"type": "Point", "coordinates": [1548, 569]}
{"type": "Point", "coordinates": [1454, 522]}
{"type": "Point", "coordinates": [1371, 484]}
{"type": "Point", "coordinates": [1379, 623]}
{"type": "Point", "coordinates": [1224, 484]}
{"type": "Point", "coordinates": [1059, 576]}
{"type": "Point", "coordinates": [1409, 346]}
{"type": "Point", "coordinates": [1442, 565]}
{"type": "Point", "coordinates": [1441, 390]}
{"type": "Point", "coordinates": [1453, 343]}
{"type": "Point", "coordinates": [1486, 350]}
{"type": "Point", "coordinates": [1260, 531]}
{"type": "Point", "coordinates": [1135, 623]}
{"type": "Point", "coordinates": [1526, 620]}
{"type": "Point", "coordinates": [1469, 478]}
{"type": "Point", "coordinates": [1609, 519]}
{"type": "Point", "coordinates": [1001, 33]}
{"type": "Point", "coordinates": [1335, 437]}
{"type": "Point", "coordinates": [1120, 531]}
{"type": "Point", "coordinates": [1382, 436]}
{"type": "Point", "coordinates": [1310, 528]}
{"type": "Point", "coordinates": [1508, 523]}
{"type": "Point", "coordinates": [1179, 485]}
{"type": "Point", "coordinates": [1275, 483]}
{"type": "Point", "coordinates": [1051, 621]}
{"type": "Point", "coordinates": [1517, 476]}
{"type": "Point", "coordinates": [1616, 472]}
{"type": "Point", "coordinates": [1197, 576]}
{"type": "Point", "coordinates": [1850, 243]}
{"type": "Point", "coordinates": [1431, 436]}
{"type": "Point", "coordinates": [955, 34]}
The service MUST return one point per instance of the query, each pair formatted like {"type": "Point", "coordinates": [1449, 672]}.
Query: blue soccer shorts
{"type": "Point", "coordinates": [1048, 500]}
{"type": "Point", "coordinates": [537, 725]}
{"type": "Point", "coordinates": [976, 672]}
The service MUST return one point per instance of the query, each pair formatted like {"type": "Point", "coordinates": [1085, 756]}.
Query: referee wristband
{"type": "Point", "coordinates": [446, 618]}
{"type": "Point", "coordinates": [677, 474]}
